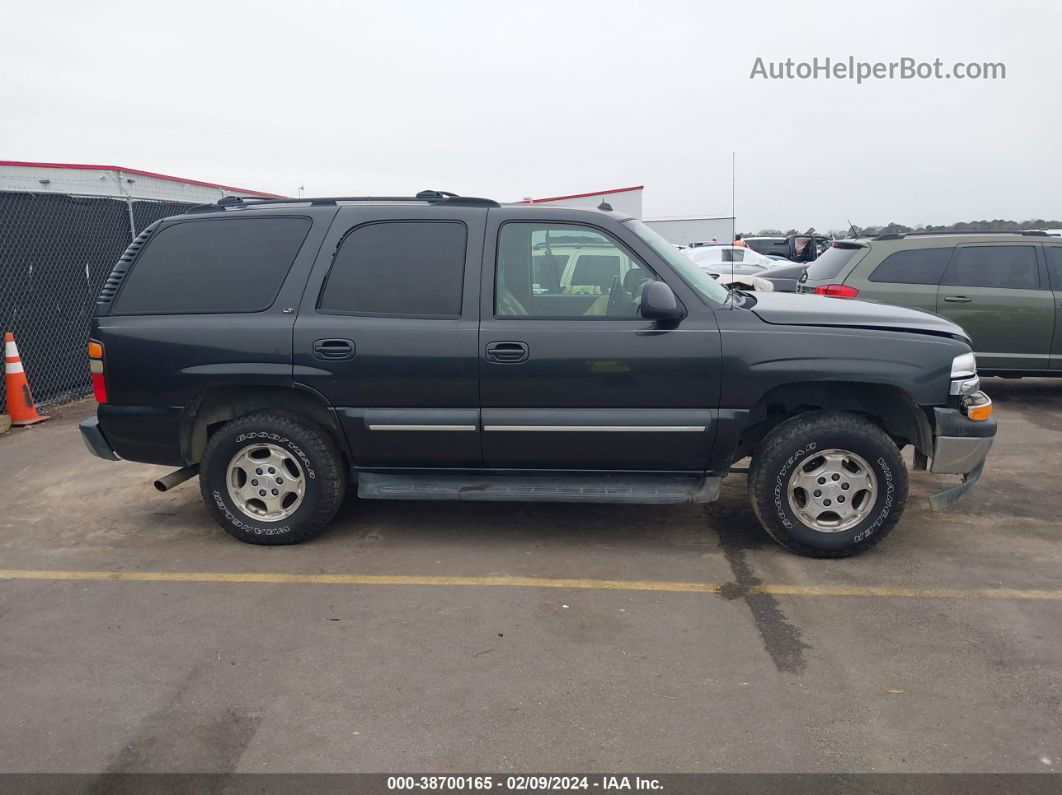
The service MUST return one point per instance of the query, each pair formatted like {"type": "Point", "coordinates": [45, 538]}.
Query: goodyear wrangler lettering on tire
{"type": "Point", "coordinates": [280, 440]}
{"type": "Point", "coordinates": [246, 527]}
{"type": "Point", "coordinates": [827, 484]}
{"type": "Point", "coordinates": [890, 490]}
{"type": "Point", "coordinates": [779, 489]}
{"type": "Point", "coordinates": [272, 477]}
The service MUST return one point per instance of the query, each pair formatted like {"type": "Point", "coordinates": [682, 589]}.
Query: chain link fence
{"type": "Point", "coordinates": [55, 253]}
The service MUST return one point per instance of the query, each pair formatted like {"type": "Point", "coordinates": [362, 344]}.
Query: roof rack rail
{"type": "Point", "coordinates": [430, 196]}
{"type": "Point", "coordinates": [902, 235]}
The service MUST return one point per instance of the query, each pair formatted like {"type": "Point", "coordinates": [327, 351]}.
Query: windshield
{"type": "Point", "coordinates": [693, 275]}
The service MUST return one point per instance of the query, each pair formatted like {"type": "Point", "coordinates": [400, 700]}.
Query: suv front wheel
{"type": "Point", "coordinates": [272, 477]}
{"type": "Point", "coordinates": [827, 484]}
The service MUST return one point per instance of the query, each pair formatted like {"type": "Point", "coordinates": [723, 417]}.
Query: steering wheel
{"type": "Point", "coordinates": [619, 300]}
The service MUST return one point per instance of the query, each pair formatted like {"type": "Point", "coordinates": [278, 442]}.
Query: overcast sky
{"type": "Point", "coordinates": [543, 98]}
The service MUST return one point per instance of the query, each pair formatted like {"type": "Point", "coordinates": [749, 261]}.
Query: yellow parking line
{"type": "Point", "coordinates": [531, 582]}
{"type": "Point", "coordinates": [358, 579]}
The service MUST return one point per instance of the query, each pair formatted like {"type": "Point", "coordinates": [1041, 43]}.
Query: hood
{"type": "Point", "coordinates": [796, 309]}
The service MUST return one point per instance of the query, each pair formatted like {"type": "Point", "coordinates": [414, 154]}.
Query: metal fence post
{"type": "Point", "coordinates": [128, 206]}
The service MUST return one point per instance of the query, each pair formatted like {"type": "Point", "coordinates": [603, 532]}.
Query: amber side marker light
{"type": "Point", "coordinates": [980, 411]}
{"type": "Point", "coordinates": [99, 382]}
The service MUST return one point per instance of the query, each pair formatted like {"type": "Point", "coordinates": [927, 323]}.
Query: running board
{"type": "Point", "coordinates": [639, 489]}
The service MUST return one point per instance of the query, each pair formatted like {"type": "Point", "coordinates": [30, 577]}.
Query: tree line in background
{"type": "Point", "coordinates": [997, 225]}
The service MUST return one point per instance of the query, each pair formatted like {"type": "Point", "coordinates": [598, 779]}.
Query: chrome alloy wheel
{"type": "Point", "coordinates": [265, 482]}
{"type": "Point", "coordinates": [832, 491]}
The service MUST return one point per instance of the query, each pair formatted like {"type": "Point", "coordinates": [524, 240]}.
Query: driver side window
{"type": "Point", "coordinates": [565, 271]}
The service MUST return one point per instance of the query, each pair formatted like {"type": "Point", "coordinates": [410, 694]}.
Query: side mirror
{"type": "Point", "coordinates": [659, 302]}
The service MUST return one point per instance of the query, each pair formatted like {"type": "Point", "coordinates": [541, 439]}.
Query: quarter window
{"type": "Point", "coordinates": [212, 266]}
{"type": "Point", "coordinates": [917, 266]}
{"type": "Point", "coordinates": [398, 268]}
{"type": "Point", "coordinates": [564, 271]}
{"type": "Point", "coordinates": [994, 266]}
{"type": "Point", "coordinates": [1054, 265]}
{"type": "Point", "coordinates": [833, 260]}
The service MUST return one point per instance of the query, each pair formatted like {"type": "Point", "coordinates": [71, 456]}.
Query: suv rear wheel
{"type": "Point", "coordinates": [272, 477]}
{"type": "Point", "coordinates": [828, 484]}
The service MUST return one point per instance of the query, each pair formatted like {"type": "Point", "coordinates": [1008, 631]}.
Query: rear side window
{"type": "Point", "coordinates": [215, 266]}
{"type": "Point", "coordinates": [832, 261]}
{"type": "Point", "coordinates": [994, 266]}
{"type": "Point", "coordinates": [1054, 265]}
{"type": "Point", "coordinates": [917, 266]}
{"type": "Point", "coordinates": [398, 268]}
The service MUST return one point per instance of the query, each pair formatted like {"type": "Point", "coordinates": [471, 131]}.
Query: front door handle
{"type": "Point", "coordinates": [507, 352]}
{"type": "Point", "coordinates": [957, 299]}
{"type": "Point", "coordinates": [333, 349]}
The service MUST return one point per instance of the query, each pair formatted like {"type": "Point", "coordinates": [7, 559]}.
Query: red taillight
{"type": "Point", "coordinates": [99, 382]}
{"type": "Point", "coordinates": [837, 291]}
{"type": "Point", "coordinates": [99, 387]}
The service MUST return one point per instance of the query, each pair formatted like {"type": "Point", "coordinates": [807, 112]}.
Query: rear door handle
{"type": "Point", "coordinates": [507, 352]}
{"type": "Point", "coordinates": [957, 299]}
{"type": "Point", "coordinates": [333, 349]}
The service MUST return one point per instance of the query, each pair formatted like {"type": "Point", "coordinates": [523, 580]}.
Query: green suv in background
{"type": "Point", "coordinates": [1004, 289]}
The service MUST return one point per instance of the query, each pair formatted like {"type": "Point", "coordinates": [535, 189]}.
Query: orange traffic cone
{"type": "Point", "coordinates": [19, 399]}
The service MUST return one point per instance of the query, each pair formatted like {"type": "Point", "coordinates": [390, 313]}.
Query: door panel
{"type": "Point", "coordinates": [1053, 257]}
{"type": "Point", "coordinates": [995, 293]}
{"type": "Point", "coordinates": [915, 296]}
{"type": "Point", "coordinates": [602, 392]}
{"type": "Point", "coordinates": [570, 438]}
{"type": "Point", "coordinates": [406, 391]}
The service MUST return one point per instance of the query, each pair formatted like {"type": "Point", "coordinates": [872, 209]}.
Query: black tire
{"type": "Point", "coordinates": [794, 443]}
{"type": "Point", "coordinates": [323, 475]}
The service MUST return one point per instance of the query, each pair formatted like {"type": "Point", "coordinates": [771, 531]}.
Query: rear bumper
{"type": "Point", "coordinates": [95, 441]}
{"type": "Point", "coordinates": [960, 447]}
{"type": "Point", "coordinates": [148, 434]}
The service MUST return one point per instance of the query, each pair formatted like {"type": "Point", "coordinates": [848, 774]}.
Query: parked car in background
{"type": "Point", "coordinates": [785, 275]}
{"type": "Point", "coordinates": [1004, 289]}
{"type": "Point", "coordinates": [734, 266]}
{"type": "Point", "coordinates": [746, 282]}
{"type": "Point", "coordinates": [778, 246]}
{"type": "Point", "coordinates": [795, 248]}
{"type": "Point", "coordinates": [730, 260]}
{"type": "Point", "coordinates": [574, 265]}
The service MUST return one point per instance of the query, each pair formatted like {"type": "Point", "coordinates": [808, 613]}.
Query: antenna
{"type": "Point", "coordinates": [733, 213]}
{"type": "Point", "coordinates": [851, 228]}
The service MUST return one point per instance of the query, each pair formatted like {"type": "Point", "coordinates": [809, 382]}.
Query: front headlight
{"type": "Point", "coordinates": [964, 380]}
{"type": "Point", "coordinates": [964, 366]}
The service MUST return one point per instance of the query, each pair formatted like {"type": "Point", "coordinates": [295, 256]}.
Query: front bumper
{"type": "Point", "coordinates": [960, 447]}
{"type": "Point", "coordinates": [95, 441]}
